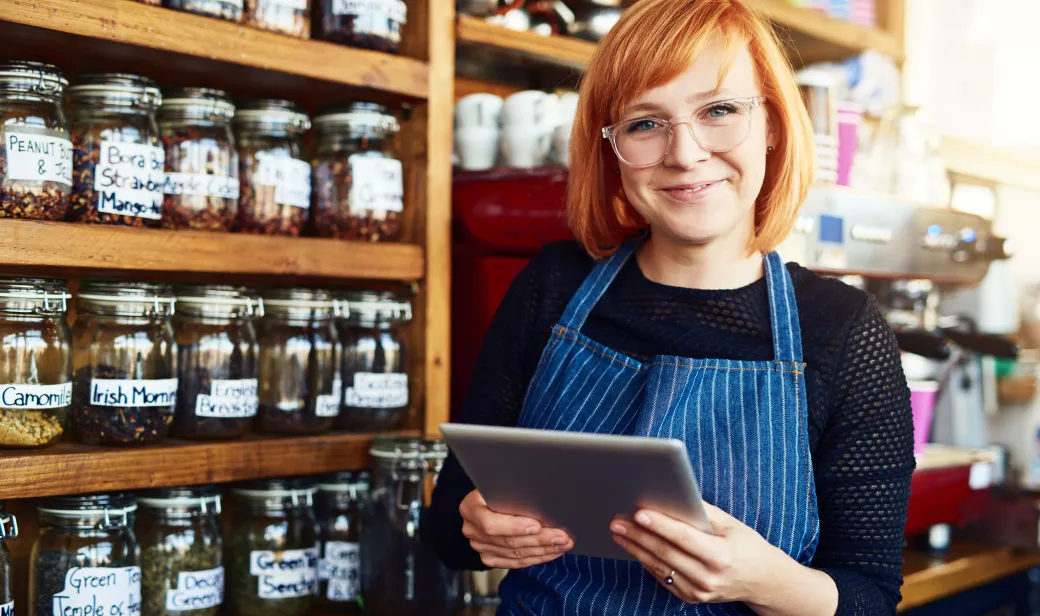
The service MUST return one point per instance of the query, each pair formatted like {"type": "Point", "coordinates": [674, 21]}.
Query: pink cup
{"type": "Point", "coordinates": [850, 117]}
{"type": "Point", "coordinates": [922, 404]}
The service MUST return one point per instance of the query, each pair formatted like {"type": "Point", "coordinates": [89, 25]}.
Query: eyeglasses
{"type": "Point", "coordinates": [717, 127]}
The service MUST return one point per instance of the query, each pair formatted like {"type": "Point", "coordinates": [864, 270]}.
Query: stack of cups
{"type": "Point", "coordinates": [528, 120]}
{"type": "Point", "coordinates": [478, 119]}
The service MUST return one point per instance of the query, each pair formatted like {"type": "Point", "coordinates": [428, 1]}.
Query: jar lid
{"type": "Point", "coordinates": [300, 298]}
{"type": "Point", "coordinates": [274, 113]}
{"type": "Point", "coordinates": [205, 104]}
{"type": "Point", "coordinates": [406, 448]}
{"type": "Point", "coordinates": [194, 298]}
{"type": "Point", "coordinates": [376, 306]}
{"type": "Point", "coordinates": [359, 117]}
{"type": "Point", "coordinates": [34, 295]}
{"type": "Point", "coordinates": [8, 524]}
{"type": "Point", "coordinates": [158, 296]}
{"type": "Point", "coordinates": [281, 487]}
{"type": "Point", "coordinates": [119, 89]}
{"type": "Point", "coordinates": [76, 506]}
{"type": "Point", "coordinates": [35, 78]}
{"type": "Point", "coordinates": [344, 481]}
{"type": "Point", "coordinates": [204, 498]}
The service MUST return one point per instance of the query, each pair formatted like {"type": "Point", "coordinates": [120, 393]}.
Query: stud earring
{"type": "Point", "coordinates": [769, 148]}
{"type": "Point", "coordinates": [618, 171]}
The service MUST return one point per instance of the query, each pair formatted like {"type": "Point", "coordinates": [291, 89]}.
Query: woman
{"type": "Point", "coordinates": [690, 156]}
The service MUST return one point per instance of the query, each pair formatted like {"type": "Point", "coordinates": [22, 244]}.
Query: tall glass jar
{"type": "Point", "coordinates": [401, 573]}
{"type": "Point", "coordinates": [299, 375]}
{"type": "Point", "coordinates": [117, 175]}
{"type": "Point", "coordinates": [201, 188]}
{"type": "Point", "coordinates": [36, 153]}
{"type": "Point", "coordinates": [374, 363]}
{"type": "Point", "coordinates": [358, 179]}
{"type": "Point", "coordinates": [217, 361]}
{"type": "Point", "coordinates": [182, 558]}
{"type": "Point", "coordinates": [36, 364]}
{"type": "Point", "coordinates": [272, 548]}
{"type": "Point", "coordinates": [338, 506]}
{"type": "Point", "coordinates": [125, 358]}
{"type": "Point", "coordinates": [8, 531]}
{"type": "Point", "coordinates": [85, 558]}
{"type": "Point", "coordinates": [275, 178]}
{"type": "Point", "coordinates": [367, 24]}
{"type": "Point", "coordinates": [292, 17]}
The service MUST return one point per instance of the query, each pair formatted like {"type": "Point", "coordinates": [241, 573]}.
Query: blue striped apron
{"type": "Point", "coordinates": [744, 424]}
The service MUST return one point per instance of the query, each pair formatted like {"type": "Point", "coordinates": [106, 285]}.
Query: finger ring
{"type": "Point", "coordinates": [670, 579]}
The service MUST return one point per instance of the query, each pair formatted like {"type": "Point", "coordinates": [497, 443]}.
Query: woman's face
{"type": "Point", "coordinates": [695, 196]}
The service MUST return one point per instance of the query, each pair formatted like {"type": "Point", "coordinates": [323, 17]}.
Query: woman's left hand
{"type": "Point", "coordinates": [734, 564]}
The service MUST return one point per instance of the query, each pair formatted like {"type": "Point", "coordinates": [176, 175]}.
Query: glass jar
{"type": "Point", "coordinates": [374, 363]}
{"type": "Point", "coordinates": [36, 153]}
{"type": "Point", "coordinates": [217, 361]}
{"type": "Point", "coordinates": [367, 24]}
{"type": "Point", "coordinates": [272, 548]}
{"type": "Point", "coordinates": [299, 376]}
{"type": "Point", "coordinates": [275, 179]}
{"type": "Point", "coordinates": [401, 573]}
{"type": "Point", "coordinates": [125, 358]}
{"type": "Point", "coordinates": [358, 180]}
{"type": "Point", "coordinates": [338, 505]}
{"type": "Point", "coordinates": [229, 10]}
{"type": "Point", "coordinates": [292, 17]}
{"type": "Point", "coordinates": [36, 365]}
{"type": "Point", "coordinates": [85, 558]}
{"type": "Point", "coordinates": [117, 174]}
{"type": "Point", "coordinates": [8, 531]}
{"type": "Point", "coordinates": [201, 188]}
{"type": "Point", "coordinates": [182, 560]}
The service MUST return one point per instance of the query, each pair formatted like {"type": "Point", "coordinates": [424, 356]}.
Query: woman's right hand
{"type": "Point", "coordinates": [509, 541]}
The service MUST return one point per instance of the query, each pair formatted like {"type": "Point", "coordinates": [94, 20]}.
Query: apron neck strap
{"type": "Point", "coordinates": [783, 311]}
{"type": "Point", "coordinates": [595, 285]}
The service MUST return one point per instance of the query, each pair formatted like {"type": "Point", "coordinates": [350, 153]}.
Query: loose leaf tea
{"type": "Point", "coordinates": [178, 580]}
{"type": "Point", "coordinates": [345, 209]}
{"type": "Point", "coordinates": [208, 407]}
{"type": "Point", "coordinates": [35, 175]}
{"type": "Point", "coordinates": [111, 409]}
{"type": "Point", "coordinates": [115, 182]}
{"type": "Point", "coordinates": [21, 428]}
{"type": "Point", "coordinates": [66, 582]}
{"type": "Point", "coordinates": [366, 25]}
{"type": "Point", "coordinates": [201, 187]}
{"type": "Point", "coordinates": [272, 568]}
{"type": "Point", "coordinates": [290, 17]}
{"type": "Point", "coordinates": [275, 193]}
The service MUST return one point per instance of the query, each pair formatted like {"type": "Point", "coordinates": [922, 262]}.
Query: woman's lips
{"type": "Point", "coordinates": [689, 193]}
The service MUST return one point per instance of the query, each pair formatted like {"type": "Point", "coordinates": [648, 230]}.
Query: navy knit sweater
{"type": "Point", "coordinates": [860, 426]}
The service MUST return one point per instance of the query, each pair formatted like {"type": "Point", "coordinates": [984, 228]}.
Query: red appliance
{"type": "Point", "coordinates": [950, 486]}
{"type": "Point", "coordinates": [502, 218]}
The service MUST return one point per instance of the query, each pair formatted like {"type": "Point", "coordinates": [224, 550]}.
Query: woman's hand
{"type": "Point", "coordinates": [507, 541]}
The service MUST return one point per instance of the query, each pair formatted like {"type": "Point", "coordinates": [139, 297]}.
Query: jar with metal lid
{"type": "Point", "coordinates": [401, 573]}
{"type": "Point", "coordinates": [292, 17]}
{"type": "Point", "coordinates": [8, 531]}
{"type": "Point", "coordinates": [358, 180]}
{"type": "Point", "coordinates": [374, 364]}
{"type": "Point", "coordinates": [85, 558]}
{"type": "Point", "coordinates": [125, 358]}
{"type": "Point", "coordinates": [299, 373]}
{"type": "Point", "coordinates": [272, 548]}
{"type": "Point", "coordinates": [201, 188]}
{"type": "Point", "coordinates": [118, 159]}
{"type": "Point", "coordinates": [217, 361]}
{"type": "Point", "coordinates": [275, 179]}
{"type": "Point", "coordinates": [338, 505]}
{"type": "Point", "coordinates": [36, 153]}
{"type": "Point", "coordinates": [367, 24]}
{"type": "Point", "coordinates": [36, 370]}
{"type": "Point", "coordinates": [229, 10]}
{"type": "Point", "coordinates": [182, 559]}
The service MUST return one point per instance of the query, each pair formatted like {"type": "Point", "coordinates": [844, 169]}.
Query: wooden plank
{"type": "Point", "coordinates": [928, 577]}
{"type": "Point", "coordinates": [99, 248]}
{"type": "Point", "coordinates": [174, 32]}
{"type": "Point", "coordinates": [464, 86]}
{"type": "Point", "coordinates": [562, 50]}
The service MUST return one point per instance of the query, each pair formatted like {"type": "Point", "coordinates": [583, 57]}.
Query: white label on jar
{"type": "Point", "coordinates": [395, 10]}
{"type": "Point", "coordinates": [196, 590]}
{"type": "Point", "coordinates": [281, 575]}
{"type": "Point", "coordinates": [39, 158]}
{"type": "Point", "coordinates": [35, 396]}
{"type": "Point", "coordinates": [126, 392]}
{"type": "Point", "coordinates": [328, 404]}
{"type": "Point", "coordinates": [99, 590]}
{"type": "Point", "coordinates": [201, 184]}
{"type": "Point", "coordinates": [7, 609]}
{"type": "Point", "coordinates": [129, 179]}
{"type": "Point", "coordinates": [299, 5]}
{"type": "Point", "coordinates": [291, 179]}
{"type": "Point", "coordinates": [378, 184]}
{"type": "Point", "coordinates": [378, 391]}
{"type": "Point", "coordinates": [229, 398]}
{"type": "Point", "coordinates": [341, 567]}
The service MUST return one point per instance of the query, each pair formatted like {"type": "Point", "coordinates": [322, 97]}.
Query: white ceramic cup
{"type": "Point", "coordinates": [483, 110]}
{"type": "Point", "coordinates": [476, 147]}
{"type": "Point", "coordinates": [523, 147]}
{"type": "Point", "coordinates": [530, 108]}
{"type": "Point", "coordinates": [562, 143]}
{"type": "Point", "coordinates": [567, 108]}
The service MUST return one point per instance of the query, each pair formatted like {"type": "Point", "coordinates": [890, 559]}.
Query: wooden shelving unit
{"type": "Point", "coordinates": [476, 34]}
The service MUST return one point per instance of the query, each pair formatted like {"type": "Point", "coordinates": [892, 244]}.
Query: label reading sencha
{"type": "Point", "coordinates": [35, 396]}
{"type": "Point", "coordinates": [7, 609]}
{"type": "Point", "coordinates": [286, 574]}
{"type": "Point", "coordinates": [378, 391]}
{"type": "Point", "coordinates": [291, 179]}
{"type": "Point", "coordinates": [395, 10]}
{"type": "Point", "coordinates": [120, 392]}
{"type": "Point", "coordinates": [99, 591]}
{"type": "Point", "coordinates": [378, 184]}
{"type": "Point", "coordinates": [129, 179]}
{"type": "Point", "coordinates": [341, 568]}
{"type": "Point", "coordinates": [201, 184]}
{"type": "Point", "coordinates": [38, 158]}
{"type": "Point", "coordinates": [229, 398]}
{"type": "Point", "coordinates": [196, 590]}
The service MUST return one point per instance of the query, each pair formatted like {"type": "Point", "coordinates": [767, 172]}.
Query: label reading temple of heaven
{"type": "Point", "coordinates": [112, 591]}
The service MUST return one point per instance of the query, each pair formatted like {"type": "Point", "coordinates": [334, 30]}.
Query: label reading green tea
{"type": "Point", "coordinates": [285, 574]}
{"type": "Point", "coordinates": [100, 591]}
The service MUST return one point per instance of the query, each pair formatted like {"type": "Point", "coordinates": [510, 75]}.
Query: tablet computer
{"type": "Point", "coordinates": [576, 481]}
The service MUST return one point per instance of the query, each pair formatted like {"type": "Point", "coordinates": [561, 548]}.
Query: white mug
{"type": "Point", "coordinates": [523, 147]}
{"type": "Point", "coordinates": [476, 147]}
{"type": "Point", "coordinates": [562, 143]}
{"type": "Point", "coordinates": [484, 110]}
{"type": "Point", "coordinates": [567, 108]}
{"type": "Point", "coordinates": [530, 108]}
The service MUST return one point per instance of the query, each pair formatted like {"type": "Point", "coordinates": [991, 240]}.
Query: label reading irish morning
{"type": "Point", "coordinates": [120, 392]}
{"type": "Point", "coordinates": [35, 397]}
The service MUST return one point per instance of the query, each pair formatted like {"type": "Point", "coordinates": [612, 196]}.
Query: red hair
{"type": "Point", "coordinates": [651, 45]}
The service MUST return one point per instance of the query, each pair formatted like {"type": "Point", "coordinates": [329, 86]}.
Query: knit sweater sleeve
{"type": "Point", "coordinates": [863, 467]}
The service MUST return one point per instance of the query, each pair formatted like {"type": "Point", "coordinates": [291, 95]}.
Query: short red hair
{"type": "Point", "coordinates": [652, 44]}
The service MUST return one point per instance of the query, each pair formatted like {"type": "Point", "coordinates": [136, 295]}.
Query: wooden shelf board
{"type": "Point", "coordinates": [474, 32]}
{"type": "Point", "coordinates": [966, 565]}
{"type": "Point", "coordinates": [120, 31]}
{"type": "Point", "coordinates": [32, 245]}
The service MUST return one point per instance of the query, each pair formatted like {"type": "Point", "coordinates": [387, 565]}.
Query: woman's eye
{"type": "Point", "coordinates": [720, 110]}
{"type": "Point", "coordinates": [641, 125]}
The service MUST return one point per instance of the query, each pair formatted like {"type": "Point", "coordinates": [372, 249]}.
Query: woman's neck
{"type": "Point", "coordinates": [715, 265]}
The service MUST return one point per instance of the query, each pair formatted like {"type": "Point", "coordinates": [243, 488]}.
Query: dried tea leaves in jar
{"type": "Point", "coordinates": [366, 24]}
{"type": "Point", "coordinates": [292, 17]}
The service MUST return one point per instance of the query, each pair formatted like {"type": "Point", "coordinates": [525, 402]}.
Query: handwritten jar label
{"type": "Point", "coordinates": [201, 184]}
{"type": "Point", "coordinates": [100, 591]}
{"type": "Point", "coordinates": [196, 590]}
{"type": "Point", "coordinates": [229, 398]}
{"type": "Point", "coordinates": [327, 405]}
{"type": "Point", "coordinates": [7, 609]}
{"type": "Point", "coordinates": [35, 396]}
{"type": "Point", "coordinates": [291, 179]}
{"type": "Point", "coordinates": [38, 158]}
{"type": "Point", "coordinates": [394, 10]}
{"type": "Point", "coordinates": [378, 391]}
{"type": "Point", "coordinates": [378, 184]}
{"type": "Point", "coordinates": [286, 574]}
{"type": "Point", "coordinates": [129, 179]}
{"type": "Point", "coordinates": [126, 392]}
{"type": "Point", "coordinates": [341, 568]}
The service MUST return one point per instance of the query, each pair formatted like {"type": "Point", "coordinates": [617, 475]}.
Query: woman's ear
{"type": "Point", "coordinates": [772, 132]}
